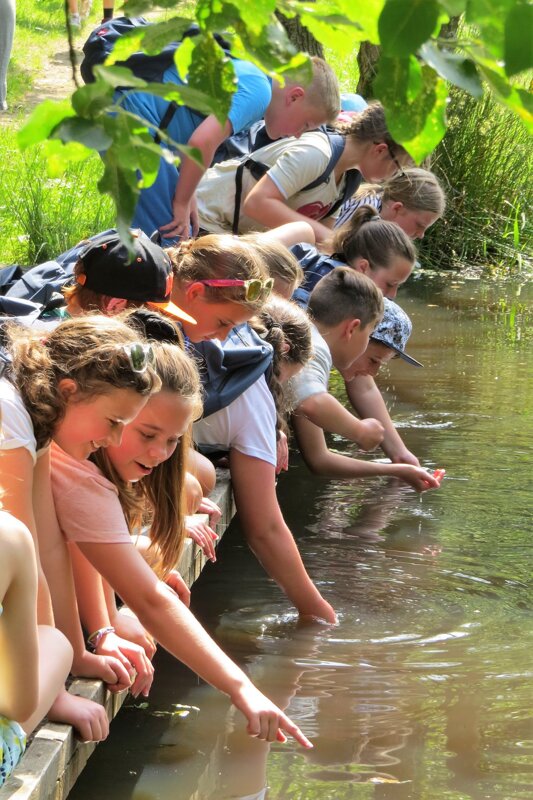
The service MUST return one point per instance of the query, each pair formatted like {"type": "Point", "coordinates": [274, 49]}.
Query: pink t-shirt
{"type": "Point", "coordinates": [87, 504]}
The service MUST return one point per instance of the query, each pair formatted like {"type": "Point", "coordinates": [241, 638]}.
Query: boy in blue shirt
{"type": "Point", "coordinates": [169, 205]}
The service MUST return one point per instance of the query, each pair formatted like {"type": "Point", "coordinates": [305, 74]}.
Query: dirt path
{"type": "Point", "coordinates": [54, 82]}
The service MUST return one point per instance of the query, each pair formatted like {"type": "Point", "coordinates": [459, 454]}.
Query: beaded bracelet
{"type": "Point", "coordinates": [95, 638]}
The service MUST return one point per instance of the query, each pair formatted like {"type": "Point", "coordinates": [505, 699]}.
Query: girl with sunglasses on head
{"type": "Point", "coordinates": [220, 281]}
{"type": "Point", "coordinates": [286, 192]}
{"type": "Point", "coordinates": [77, 387]}
{"type": "Point", "coordinates": [412, 198]}
{"type": "Point", "coordinates": [99, 504]}
{"type": "Point", "coordinates": [247, 428]}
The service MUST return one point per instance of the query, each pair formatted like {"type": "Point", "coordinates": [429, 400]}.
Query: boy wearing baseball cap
{"type": "Point", "coordinates": [316, 411]}
{"type": "Point", "coordinates": [108, 279]}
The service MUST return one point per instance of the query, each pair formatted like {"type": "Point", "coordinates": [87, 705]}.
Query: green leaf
{"type": "Point", "coordinates": [454, 68]}
{"type": "Point", "coordinates": [151, 39]}
{"type": "Point", "coordinates": [60, 156]}
{"type": "Point", "coordinates": [42, 122]}
{"type": "Point", "coordinates": [417, 121]}
{"type": "Point", "coordinates": [135, 8]}
{"type": "Point", "coordinates": [518, 46]}
{"type": "Point", "coordinates": [183, 58]}
{"type": "Point", "coordinates": [92, 99]}
{"type": "Point", "coordinates": [404, 25]}
{"type": "Point", "coordinates": [119, 76]}
{"type": "Point", "coordinates": [122, 186]}
{"type": "Point", "coordinates": [271, 49]}
{"type": "Point", "coordinates": [518, 100]}
{"type": "Point", "coordinates": [489, 17]}
{"type": "Point", "coordinates": [454, 7]}
{"type": "Point", "coordinates": [361, 21]}
{"type": "Point", "coordinates": [211, 73]}
{"type": "Point", "coordinates": [75, 129]}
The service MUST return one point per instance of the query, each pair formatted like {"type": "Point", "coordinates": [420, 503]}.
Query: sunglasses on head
{"type": "Point", "coordinates": [253, 289]}
{"type": "Point", "coordinates": [140, 355]}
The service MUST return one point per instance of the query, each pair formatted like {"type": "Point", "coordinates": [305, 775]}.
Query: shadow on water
{"type": "Point", "coordinates": [424, 689]}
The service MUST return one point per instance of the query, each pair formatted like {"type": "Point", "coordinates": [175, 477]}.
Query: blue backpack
{"type": "Point", "coordinates": [316, 266]}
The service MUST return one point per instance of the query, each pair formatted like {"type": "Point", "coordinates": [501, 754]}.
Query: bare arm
{"type": "Point", "coordinates": [367, 400]}
{"type": "Point", "coordinates": [19, 690]}
{"type": "Point", "coordinates": [207, 136]}
{"type": "Point", "coordinates": [290, 234]}
{"type": "Point", "coordinates": [173, 625]}
{"type": "Point", "coordinates": [321, 461]}
{"type": "Point", "coordinates": [268, 206]}
{"type": "Point", "coordinates": [325, 411]}
{"type": "Point", "coordinates": [269, 537]}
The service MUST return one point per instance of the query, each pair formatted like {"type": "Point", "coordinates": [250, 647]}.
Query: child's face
{"type": "Point", "coordinates": [152, 437]}
{"type": "Point", "coordinates": [94, 422]}
{"type": "Point", "coordinates": [213, 320]}
{"type": "Point", "coordinates": [294, 117]}
{"type": "Point", "coordinates": [353, 343]}
{"type": "Point", "coordinates": [389, 279]}
{"type": "Point", "coordinates": [374, 357]}
{"type": "Point", "coordinates": [414, 223]}
{"type": "Point", "coordinates": [376, 163]}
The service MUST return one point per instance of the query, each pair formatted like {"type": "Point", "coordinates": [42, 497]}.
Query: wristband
{"type": "Point", "coordinates": [95, 638]}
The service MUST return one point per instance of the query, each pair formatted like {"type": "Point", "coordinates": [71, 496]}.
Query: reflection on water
{"type": "Point", "coordinates": [425, 688]}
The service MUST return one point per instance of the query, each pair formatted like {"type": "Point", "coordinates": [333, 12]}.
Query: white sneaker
{"type": "Point", "coordinates": [74, 20]}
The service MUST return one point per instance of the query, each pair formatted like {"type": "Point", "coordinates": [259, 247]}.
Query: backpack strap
{"type": "Point", "coordinates": [166, 120]}
{"type": "Point", "coordinates": [352, 181]}
{"type": "Point", "coordinates": [257, 170]}
{"type": "Point", "coordinates": [337, 143]}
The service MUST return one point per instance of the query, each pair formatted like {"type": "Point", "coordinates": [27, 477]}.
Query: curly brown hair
{"type": "Point", "coordinates": [91, 350]}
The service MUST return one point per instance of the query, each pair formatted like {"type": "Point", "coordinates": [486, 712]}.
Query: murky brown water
{"type": "Point", "coordinates": [425, 689]}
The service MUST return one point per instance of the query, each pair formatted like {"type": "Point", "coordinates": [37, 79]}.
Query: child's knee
{"type": "Point", "coordinates": [193, 493]}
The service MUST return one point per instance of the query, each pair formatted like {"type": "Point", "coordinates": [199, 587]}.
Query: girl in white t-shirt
{"type": "Point", "coordinates": [281, 196]}
{"type": "Point", "coordinates": [247, 429]}
{"type": "Point", "coordinates": [78, 387]}
{"type": "Point", "coordinates": [97, 507]}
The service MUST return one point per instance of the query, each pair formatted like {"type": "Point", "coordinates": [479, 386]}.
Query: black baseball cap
{"type": "Point", "coordinates": [147, 278]}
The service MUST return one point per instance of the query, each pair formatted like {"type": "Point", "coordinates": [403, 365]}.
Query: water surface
{"type": "Point", "coordinates": [425, 688]}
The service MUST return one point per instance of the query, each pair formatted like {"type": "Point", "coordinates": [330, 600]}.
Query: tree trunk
{"type": "Point", "coordinates": [300, 37]}
{"type": "Point", "coordinates": [367, 59]}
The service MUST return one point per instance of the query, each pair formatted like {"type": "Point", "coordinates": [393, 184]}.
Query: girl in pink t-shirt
{"type": "Point", "coordinates": [77, 387]}
{"type": "Point", "coordinates": [98, 509]}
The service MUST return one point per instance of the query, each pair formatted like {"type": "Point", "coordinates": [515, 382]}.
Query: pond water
{"type": "Point", "coordinates": [425, 688]}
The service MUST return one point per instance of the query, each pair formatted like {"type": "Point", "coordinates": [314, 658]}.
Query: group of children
{"type": "Point", "coordinates": [112, 402]}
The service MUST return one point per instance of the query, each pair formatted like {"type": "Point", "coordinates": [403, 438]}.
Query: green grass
{"type": "Point", "coordinates": [485, 162]}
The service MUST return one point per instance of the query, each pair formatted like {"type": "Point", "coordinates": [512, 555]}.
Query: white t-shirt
{"type": "Point", "coordinates": [294, 163]}
{"type": "Point", "coordinates": [247, 425]}
{"type": "Point", "coordinates": [16, 424]}
{"type": "Point", "coordinates": [314, 377]}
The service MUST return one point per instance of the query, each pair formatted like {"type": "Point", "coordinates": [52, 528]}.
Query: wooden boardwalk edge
{"type": "Point", "coordinates": [55, 758]}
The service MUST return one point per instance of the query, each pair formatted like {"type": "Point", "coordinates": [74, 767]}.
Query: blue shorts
{"type": "Point", "coordinates": [12, 746]}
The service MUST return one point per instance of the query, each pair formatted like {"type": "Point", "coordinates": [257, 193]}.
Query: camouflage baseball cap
{"type": "Point", "coordinates": [394, 330]}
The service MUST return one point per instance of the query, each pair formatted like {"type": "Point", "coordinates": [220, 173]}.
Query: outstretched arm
{"type": "Point", "coordinates": [367, 400]}
{"type": "Point", "coordinates": [269, 537]}
{"type": "Point", "coordinates": [207, 136]}
{"type": "Point", "coordinates": [325, 411]}
{"type": "Point", "coordinates": [322, 461]}
{"type": "Point", "coordinates": [173, 625]}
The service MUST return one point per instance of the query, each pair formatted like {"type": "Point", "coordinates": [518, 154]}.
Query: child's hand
{"type": "Point", "coordinates": [370, 433]}
{"type": "Point", "coordinates": [203, 535]}
{"type": "Point", "coordinates": [211, 509]}
{"type": "Point", "coordinates": [88, 718]}
{"type": "Point", "coordinates": [265, 720]}
{"type": "Point", "coordinates": [127, 626]}
{"type": "Point", "coordinates": [178, 585]}
{"type": "Point", "coordinates": [108, 669]}
{"type": "Point", "coordinates": [420, 479]}
{"type": "Point", "coordinates": [133, 659]}
{"type": "Point", "coordinates": [282, 462]}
